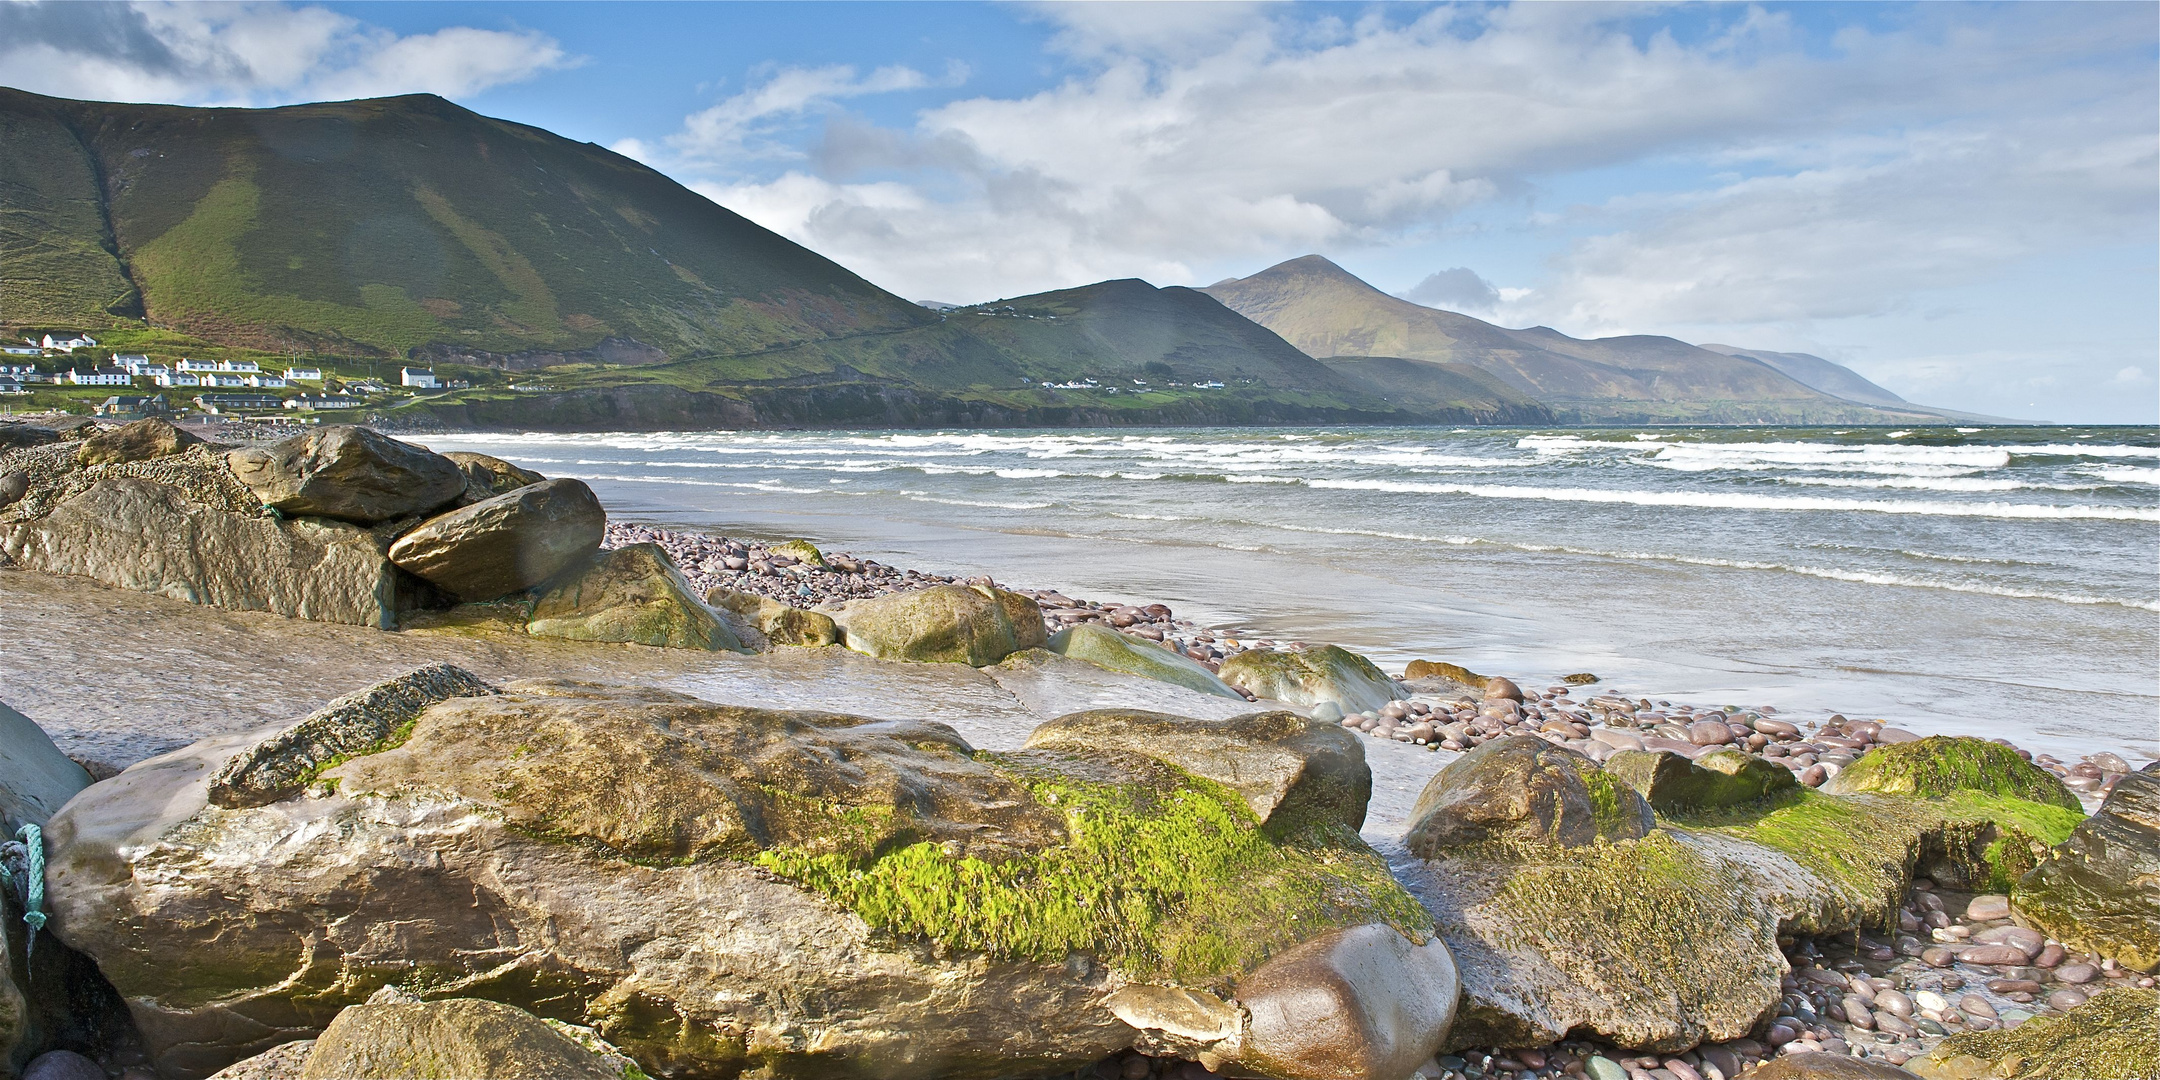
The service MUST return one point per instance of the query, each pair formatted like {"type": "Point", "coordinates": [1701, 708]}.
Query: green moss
{"type": "Point", "coordinates": [2027, 829]}
{"type": "Point", "coordinates": [1942, 765]}
{"type": "Point", "coordinates": [1614, 805]}
{"type": "Point", "coordinates": [800, 551]}
{"type": "Point", "coordinates": [2115, 1034]}
{"type": "Point", "coordinates": [1179, 883]}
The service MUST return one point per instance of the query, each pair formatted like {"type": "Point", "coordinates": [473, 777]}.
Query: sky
{"type": "Point", "coordinates": [1960, 202]}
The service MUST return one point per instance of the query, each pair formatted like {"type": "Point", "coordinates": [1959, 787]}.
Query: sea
{"type": "Point", "coordinates": [1996, 581]}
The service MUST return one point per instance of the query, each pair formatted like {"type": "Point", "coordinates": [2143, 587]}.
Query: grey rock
{"type": "Point", "coordinates": [636, 594]}
{"type": "Point", "coordinates": [1106, 648]}
{"type": "Point", "coordinates": [62, 1065]}
{"type": "Point", "coordinates": [281, 1062]}
{"type": "Point", "coordinates": [349, 473]}
{"type": "Point", "coordinates": [357, 723]}
{"type": "Point", "coordinates": [14, 484]}
{"type": "Point", "coordinates": [137, 441]}
{"type": "Point", "coordinates": [2099, 890]}
{"type": "Point", "coordinates": [1358, 1003]}
{"type": "Point", "coordinates": [145, 536]}
{"type": "Point", "coordinates": [465, 1038]}
{"type": "Point", "coordinates": [1521, 788]}
{"type": "Point", "coordinates": [16, 436]}
{"type": "Point", "coordinates": [36, 779]}
{"type": "Point", "coordinates": [1721, 779]}
{"type": "Point", "coordinates": [1283, 764]}
{"type": "Point", "coordinates": [974, 625]}
{"type": "Point", "coordinates": [487, 477]}
{"type": "Point", "coordinates": [1310, 676]}
{"type": "Point", "coordinates": [505, 544]}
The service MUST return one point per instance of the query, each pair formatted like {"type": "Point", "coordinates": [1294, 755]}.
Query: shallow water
{"type": "Point", "coordinates": [1998, 581]}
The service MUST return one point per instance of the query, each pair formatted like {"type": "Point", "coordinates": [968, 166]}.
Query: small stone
{"type": "Point", "coordinates": [1975, 1005]}
{"type": "Point", "coordinates": [1604, 1068]}
{"type": "Point", "coordinates": [2013, 986]}
{"type": "Point", "coordinates": [2066, 1000]}
{"type": "Point", "coordinates": [1994, 955]}
{"type": "Point", "coordinates": [2076, 974]}
{"type": "Point", "coordinates": [1937, 957]}
{"type": "Point", "coordinates": [63, 1065]}
{"type": "Point", "coordinates": [1988, 907]}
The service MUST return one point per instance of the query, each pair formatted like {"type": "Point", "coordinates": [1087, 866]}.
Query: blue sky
{"type": "Point", "coordinates": [1960, 202]}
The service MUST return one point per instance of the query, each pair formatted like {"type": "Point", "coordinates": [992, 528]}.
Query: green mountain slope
{"type": "Point", "coordinates": [1324, 310]}
{"type": "Point", "coordinates": [1437, 384]}
{"type": "Point", "coordinates": [1824, 375]}
{"type": "Point", "coordinates": [390, 227]}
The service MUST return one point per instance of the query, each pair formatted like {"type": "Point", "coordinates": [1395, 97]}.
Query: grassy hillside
{"type": "Point", "coordinates": [392, 226]}
{"type": "Point", "coordinates": [1439, 385]}
{"type": "Point", "coordinates": [1324, 310]}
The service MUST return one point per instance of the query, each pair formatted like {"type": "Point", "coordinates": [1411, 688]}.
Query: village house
{"type": "Point", "coordinates": [324, 401]}
{"type": "Point", "coordinates": [9, 384]}
{"type": "Point", "coordinates": [238, 365]}
{"type": "Point", "coordinates": [263, 380]}
{"type": "Point", "coordinates": [68, 344]}
{"type": "Point", "coordinates": [196, 366]}
{"type": "Point", "coordinates": [367, 386]}
{"type": "Point", "coordinates": [176, 378]}
{"type": "Point", "coordinates": [30, 349]}
{"type": "Point", "coordinates": [223, 404]}
{"type": "Point", "coordinates": [130, 361]}
{"type": "Point", "coordinates": [132, 406]}
{"type": "Point", "coordinates": [303, 374]}
{"type": "Point", "coordinates": [100, 376]}
{"type": "Point", "coordinates": [419, 377]}
{"type": "Point", "coordinates": [221, 379]}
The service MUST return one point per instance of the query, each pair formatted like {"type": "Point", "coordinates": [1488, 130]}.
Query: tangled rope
{"type": "Point", "coordinates": [22, 876]}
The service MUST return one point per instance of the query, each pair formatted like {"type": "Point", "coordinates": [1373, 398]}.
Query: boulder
{"type": "Point", "coordinates": [1356, 1004]}
{"type": "Point", "coordinates": [1108, 649]}
{"type": "Point", "coordinates": [1310, 676]}
{"type": "Point", "coordinates": [62, 1065]}
{"type": "Point", "coordinates": [359, 723]}
{"type": "Point", "coordinates": [635, 594]}
{"type": "Point", "coordinates": [1439, 669]}
{"type": "Point", "coordinates": [487, 477]}
{"type": "Point", "coordinates": [14, 484]}
{"type": "Point", "coordinates": [137, 441]}
{"type": "Point", "coordinates": [974, 625]}
{"type": "Point", "coordinates": [1826, 1066]}
{"type": "Point", "coordinates": [723, 890]}
{"type": "Point", "coordinates": [781, 624]}
{"type": "Point", "coordinates": [2114, 1033]}
{"type": "Point", "coordinates": [1283, 764]}
{"type": "Point", "coordinates": [137, 534]}
{"type": "Point", "coordinates": [1718, 780]}
{"type": "Point", "coordinates": [1049, 686]}
{"type": "Point", "coordinates": [802, 551]}
{"type": "Point", "coordinates": [1559, 922]}
{"type": "Point", "coordinates": [1942, 765]}
{"type": "Point", "coordinates": [36, 779]}
{"type": "Point", "coordinates": [2099, 890]}
{"type": "Point", "coordinates": [505, 544]}
{"type": "Point", "coordinates": [16, 436]}
{"type": "Point", "coordinates": [281, 1062]}
{"type": "Point", "coordinates": [461, 1037]}
{"type": "Point", "coordinates": [1524, 789]}
{"type": "Point", "coordinates": [349, 473]}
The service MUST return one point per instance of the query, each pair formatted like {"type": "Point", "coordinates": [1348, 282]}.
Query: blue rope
{"type": "Point", "coordinates": [33, 841]}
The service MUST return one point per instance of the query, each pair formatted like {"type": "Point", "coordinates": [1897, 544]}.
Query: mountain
{"type": "Point", "coordinates": [392, 227]}
{"type": "Point", "coordinates": [1824, 375]}
{"type": "Point", "coordinates": [1326, 311]}
{"type": "Point", "coordinates": [1436, 384]}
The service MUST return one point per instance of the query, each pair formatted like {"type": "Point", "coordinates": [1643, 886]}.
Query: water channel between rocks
{"type": "Point", "coordinates": [120, 676]}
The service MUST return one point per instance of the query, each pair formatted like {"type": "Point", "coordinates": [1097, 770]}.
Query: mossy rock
{"type": "Point", "coordinates": [1942, 765]}
{"type": "Point", "coordinates": [2099, 890]}
{"type": "Point", "coordinates": [1672, 784]}
{"type": "Point", "coordinates": [802, 551]}
{"type": "Point", "coordinates": [1107, 649]}
{"type": "Point", "coordinates": [1292, 771]}
{"type": "Point", "coordinates": [2114, 1034]}
{"type": "Point", "coordinates": [1310, 676]}
{"type": "Point", "coordinates": [1523, 790]}
{"type": "Point", "coordinates": [634, 594]}
{"type": "Point", "coordinates": [1440, 669]}
{"type": "Point", "coordinates": [974, 625]}
{"type": "Point", "coordinates": [780, 623]}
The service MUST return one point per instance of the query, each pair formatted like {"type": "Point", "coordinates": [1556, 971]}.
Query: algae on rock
{"type": "Point", "coordinates": [1106, 648]}
{"type": "Point", "coordinates": [635, 594]}
{"type": "Point", "coordinates": [2116, 1033]}
{"type": "Point", "coordinates": [2099, 889]}
{"type": "Point", "coordinates": [1310, 676]}
{"type": "Point", "coordinates": [1942, 764]}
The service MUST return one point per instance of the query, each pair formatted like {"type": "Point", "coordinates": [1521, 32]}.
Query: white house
{"type": "Point", "coordinates": [418, 377]}
{"type": "Point", "coordinates": [177, 378]}
{"type": "Point", "coordinates": [303, 374]}
{"type": "Point", "coordinates": [221, 379]}
{"type": "Point", "coordinates": [324, 401]}
{"type": "Point", "coordinates": [100, 376]}
{"type": "Point", "coordinates": [263, 380]}
{"type": "Point", "coordinates": [22, 350]}
{"type": "Point", "coordinates": [238, 365]}
{"type": "Point", "coordinates": [130, 361]}
{"type": "Point", "coordinates": [69, 344]}
{"type": "Point", "coordinates": [197, 366]}
{"type": "Point", "coordinates": [9, 384]}
{"type": "Point", "coordinates": [367, 386]}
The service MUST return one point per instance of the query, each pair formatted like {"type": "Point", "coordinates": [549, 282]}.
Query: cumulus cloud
{"type": "Point", "coordinates": [1459, 289]}
{"type": "Point", "coordinates": [782, 95]}
{"type": "Point", "coordinates": [250, 54]}
{"type": "Point", "coordinates": [1857, 170]}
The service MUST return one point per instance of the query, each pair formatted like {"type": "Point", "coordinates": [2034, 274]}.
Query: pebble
{"type": "Point", "coordinates": [2076, 974]}
{"type": "Point", "coordinates": [1995, 955]}
{"type": "Point", "coordinates": [1604, 1068]}
{"type": "Point", "coordinates": [1988, 907]}
{"type": "Point", "coordinates": [2066, 1000]}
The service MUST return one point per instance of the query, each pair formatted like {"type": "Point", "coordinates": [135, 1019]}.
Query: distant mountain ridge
{"type": "Point", "coordinates": [1824, 375]}
{"type": "Point", "coordinates": [1326, 311]}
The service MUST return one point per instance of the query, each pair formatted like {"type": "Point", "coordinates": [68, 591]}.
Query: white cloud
{"type": "Point", "coordinates": [250, 54]}
{"type": "Point", "coordinates": [726, 130]}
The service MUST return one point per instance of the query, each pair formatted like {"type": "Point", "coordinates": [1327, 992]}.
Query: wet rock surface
{"type": "Point", "coordinates": [506, 543]}
{"type": "Point", "coordinates": [635, 594]}
{"type": "Point", "coordinates": [2099, 890]}
{"type": "Point", "coordinates": [1310, 676]}
{"type": "Point", "coordinates": [349, 473]}
{"type": "Point", "coordinates": [974, 625]}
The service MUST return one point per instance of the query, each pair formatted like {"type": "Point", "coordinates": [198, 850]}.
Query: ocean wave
{"type": "Point", "coordinates": [2085, 450]}
{"type": "Point", "coordinates": [2123, 474]}
{"type": "Point", "coordinates": [1748, 501]}
{"type": "Point", "coordinates": [984, 504]}
{"type": "Point", "coordinates": [1922, 483]}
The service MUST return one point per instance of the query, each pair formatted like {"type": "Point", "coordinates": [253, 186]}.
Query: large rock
{"type": "Point", "coordinates": [1560, 922]}
{"type": "Point", "coordinates": [1827, 1066]}
{"type": "Point", "coordinates": [14, 484]}
{"type": "Point", "coordinates": [505, 544]}
{"type": "Point", "coordinates": [635, 594]}
{"type": "Point", "coordinates": [1357, 1004]}
{"type": "Point", "coordinates": [1310, 676]}
{"type": "Point", "coordinates": [136, 534]}
{"type": "Point", "coordinates": [781, 624]}
{"type": "Point", "coordinates": [358, 723]}
{"type": "Point", "coordinates": [1283, 764]}
{"type": "Point", "coordinates": [36, 779]}
{"type": "Point", "coordinates": [1942, 765]}
{"type": "Point", "coordinates": [463, 1037]}
{"type": "Point", "coordinates": [1106, 648]}
{"type": "Point", "coordinates": [1718, 780]}
{"type": "Point", "coordinates": [349, 473]}
{"type": "Point", "coordinates": [16, 435]}
{"type": "Point", "coordinates": [723, 890]}
{"type": "Point", "coordinates": [949, 624]}
{"type": "Point", "coordinates": [2114, 1034]}
{"type": "Point", "coordinates": [138, 441]}
{"type": "Point", "coordinates": [1527, 790]}
{"type": "Point", "coordinates": [487, 477]}
{"type": "Point", "coordinates": [2099, 890]}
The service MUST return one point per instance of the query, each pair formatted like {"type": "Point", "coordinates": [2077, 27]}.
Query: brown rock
{"type": "Point", "coordinates": [1499, 688]}
{"type": "Point", "coordinates": [1824, 1066]}
{"type": "Point", "coordinates": [974, 625]}
{"type": "Point", "coordinates": [465, 1038]}
{"type": "Point", "coordinates": [635, 594]}
{"type": "Point", "coordinates": [487, 477]}
{"type": "Point", "coordinates": [1282, 763]}
{"type": "Point", "coordinates": [780, 623]}
{"type": "Point", "coordinates": [1358, 1003]}
{"type": "Point", "coordinates": [1525, 789]}
{"type": "Point", "coordinates": [347, 472]}
{"type": "Point", "coordinates": [505, 544]}
{"type": "Point", "coordinates": [1994, 955]}
{"type": "Point", "coordinates": [138, 441]}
